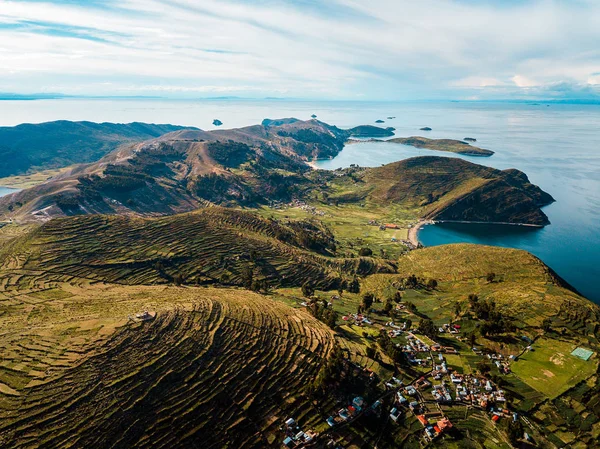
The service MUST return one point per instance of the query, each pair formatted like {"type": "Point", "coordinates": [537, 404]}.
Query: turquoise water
{"type": "Point", "coordinates": [558, 146]}
{"type": "Point", "coordinates": [6, 191]}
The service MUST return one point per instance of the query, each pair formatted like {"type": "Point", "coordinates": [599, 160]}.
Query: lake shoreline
{"type": "Point", "coordinates": [413, 233]}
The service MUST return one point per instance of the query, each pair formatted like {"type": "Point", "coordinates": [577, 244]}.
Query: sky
{"type": "Point", "coordinates": [312, 49]}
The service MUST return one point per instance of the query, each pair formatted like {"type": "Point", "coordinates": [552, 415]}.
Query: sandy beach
{"type": "Point", "coordinates": [413, 233]}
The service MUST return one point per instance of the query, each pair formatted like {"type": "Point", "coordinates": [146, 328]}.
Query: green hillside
{"type": "Point", "coordinates": [33, 147]}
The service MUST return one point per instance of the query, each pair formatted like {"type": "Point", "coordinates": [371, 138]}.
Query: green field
{"type": "Point", "coordinates": [551, 369]}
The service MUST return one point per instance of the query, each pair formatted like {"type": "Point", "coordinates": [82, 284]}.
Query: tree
{"type": "Point", "coordinates": [307, 289]}
{"type": "Point", "coordinates": [247, 276]}
{"type": "Point", "coordinates": [371, 352]}
{"type": "Point", "coordinates": [365, 252]}
{"type": "Point", "coordinates": [354, 286]}
{"type": "Point", "coordinates": [547, 325]}
{"type": "Point", "coordinates": [472, 339]}
{"type": "Point", "coordinates": [412, 281]}
{"type": "Point", "coordinates": [367, 301]}
{"type": "Point", "coordinates": [432, 284]}
{"type": "Point", "coordinates": [457, 309]}
{"type": "Point", "coordinates": [483, 367]}
{"type": "Point", "coordinates": [515, 432]}
{"type": "Point", "coordinates": [426, 327]}
{"type": "Point", "coordinates": [178, 279]}
{"type": "Point", "coordinates": [408, 324]}
{"type": "Point", "coordinates": [398, 296]}
{"type": "Point", "coordinates": [491, 276]}
{"type": "Point", "coordinates": [387, 308]}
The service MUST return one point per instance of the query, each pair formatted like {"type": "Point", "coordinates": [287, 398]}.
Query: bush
{"type": "Point", "coordinates": [365, 252]}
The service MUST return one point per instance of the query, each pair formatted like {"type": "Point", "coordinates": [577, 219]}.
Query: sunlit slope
{"type": "Point", "coordinates": [209, 246]}
{"type": "Point", "coordinates": [522, 283]}
{"type": "Point", "coordinates": [214, 366]}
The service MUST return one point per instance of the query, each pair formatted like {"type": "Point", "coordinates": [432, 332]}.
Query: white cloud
{"type": "Point", "coordinates": [345, 48]}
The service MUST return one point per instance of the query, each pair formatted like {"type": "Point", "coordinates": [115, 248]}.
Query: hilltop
{"type": "Point", "coordinates": [34, 147]}
{"type": "Point", "coordinates": [184, 170]}
{"type": "Point", "coordinates": [445, 189]}
{"type": "Point", "coordinates": [213, 366]}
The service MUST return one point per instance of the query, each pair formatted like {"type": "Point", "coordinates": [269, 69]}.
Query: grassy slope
{"type": "Point", "coordinates": [209, 246]}
{"type": "Point", "coordinates": [72, 361]}
{"type": "Point", "coordinates": [453, 189]}
{"type": "Point", "coordinates": [57, 311]}
{"type": "Point", "coordinates": [57, 144]}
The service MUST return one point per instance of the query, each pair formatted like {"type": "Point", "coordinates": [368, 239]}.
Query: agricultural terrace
{"type": "Point", "coordinates": [61, 342]}
{"type": "Point", "coordinates": [355, 226]}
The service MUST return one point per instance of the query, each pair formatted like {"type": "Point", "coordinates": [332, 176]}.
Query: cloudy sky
{"type": "Point", "coordinates": [317, 49]}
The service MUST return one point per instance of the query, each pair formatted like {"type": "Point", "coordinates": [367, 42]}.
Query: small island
{"type": "Point", "coordinates": [470, 139]}
{"type": "Point", "coordinates": [425, 128]}
{"type": "Point", "coordinates": [379, 121]}
{"type": "Point", "coordinates": [450, 145]}
{"type": "Point", "coordinates": [371, 131]}
{"type": "Point", "coordinates": [217, 122]}
{"type": "Point", "coordinates": [313, 116]}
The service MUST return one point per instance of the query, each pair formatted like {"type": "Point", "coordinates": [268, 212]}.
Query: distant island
{"type": "Point", "coordinates": [425, 128]}
{"type": "Point", "coordinates": [217, 122]}
{"type": "Point", "coordinates": [450, 145]}
{"type": "Point", "coordinates": [371, 131]}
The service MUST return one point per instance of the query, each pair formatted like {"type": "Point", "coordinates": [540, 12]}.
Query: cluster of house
{"type": "Point", "coordinates": [357, 318]}
{"type": "Point", "coordinates": [472, 389]}
{"type": "Point", "coordinates": [413, 347]}
{"type": "Point", "coordinates": [434, 429]}
{"type": "Point", "coordinates": [395, 330]}
{"type": "Point", "coordinates": [307, 208]}
{"type": "Point", "coordinates": [295, 436]}
{"type": "Point", "coordinates": [449, 328]}
{"type": "Point", "coordinates": [498, 414]}
{"type": "Point", "coordinates": [502, 365]}
{"type": "Point", "coordinates": [357, 406]}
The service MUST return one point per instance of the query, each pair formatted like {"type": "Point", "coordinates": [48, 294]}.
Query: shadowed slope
{"type": "Point", "coordinates": [454, 189]}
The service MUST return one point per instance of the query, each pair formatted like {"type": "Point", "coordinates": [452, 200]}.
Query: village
{"type": "Point", "coordinates": [423, 398]}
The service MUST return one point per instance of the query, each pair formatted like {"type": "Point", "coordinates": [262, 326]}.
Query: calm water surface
{"type": "Point", "coordinates": [557, 146]}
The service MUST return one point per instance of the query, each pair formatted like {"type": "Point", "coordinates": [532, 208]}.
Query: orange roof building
{"type": "Point", "coordinates": [444, 424]}
{"type": "Point", "coordinates": [422, 419]}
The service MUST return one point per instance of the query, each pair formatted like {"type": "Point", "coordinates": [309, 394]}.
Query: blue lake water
{"type": "Point", "coordinates": [6, 191]}
{"type": "Point", "coordinates": [557, 146]}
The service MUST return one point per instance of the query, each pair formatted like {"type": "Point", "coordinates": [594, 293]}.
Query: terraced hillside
{"type": "Point", "coordinates": [215, 366]}
{"type": "Point", "coordinates": [210, 246]}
